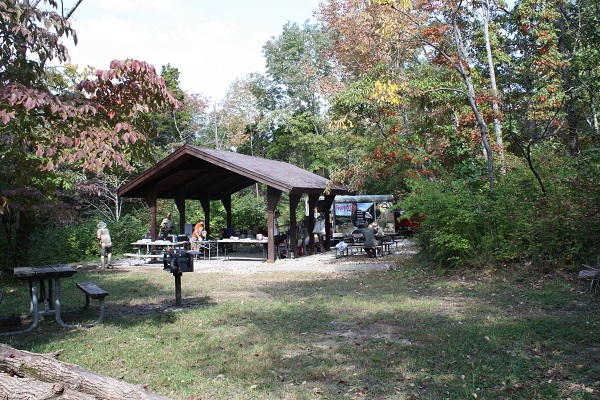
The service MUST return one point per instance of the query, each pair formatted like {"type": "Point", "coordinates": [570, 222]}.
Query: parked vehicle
{"type": "Point", "coordinates": [354, 211]}
{"type": "Point", "coordinates": [405, 225]}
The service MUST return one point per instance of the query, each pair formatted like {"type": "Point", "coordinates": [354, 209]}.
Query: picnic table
{"type": "Point", "coordinates": [153, 249]}
{"type": "Point", "coordinates": [254, 242]}
{"type": "Point", "coordinates": [353, 244]}
{"type": "Point", "coordinates": [44, 288]}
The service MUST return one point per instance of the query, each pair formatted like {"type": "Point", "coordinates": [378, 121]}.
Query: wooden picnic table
{"type": "Point", "coordinates": [355, 244]}
{"type": "Point", "coordinates": [262, 242]}
{"type": "Point", "coordinates": [44, 287]}
{"type": "Point", "coordinates": [153, 248]}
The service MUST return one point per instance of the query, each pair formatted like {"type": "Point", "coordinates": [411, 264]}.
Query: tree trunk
{"type": "Point", "coordinates": [41, 376]}
{"type": "Point", "coordinates": [568, 86]}
{"type": "Point", "coordinates": [464, 73]}
{"type": "Point", "coordinates": [496, 98]}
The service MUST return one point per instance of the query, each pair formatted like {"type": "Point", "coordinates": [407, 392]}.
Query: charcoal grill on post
{"type": "Point", "coordinates": [177, 263]}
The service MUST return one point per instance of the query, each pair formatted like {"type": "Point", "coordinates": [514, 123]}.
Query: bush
{"type": "Point", "coordinates": [248, 211]}
{"type": "Point", "coordinates": [451, 223]}
{"type": "Point", "coordinates": [76, 243]}
{"type": "Point", "coordinates": [558, 228]}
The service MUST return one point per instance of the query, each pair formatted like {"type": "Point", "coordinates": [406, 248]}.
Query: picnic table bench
{"type": "Point", "coordinates": [593, 275]}
{"type": "Point", "coordinates": [93, 291]}
{"type": "Point", "coordinates": [353, 245]}
{"type": "Point", "coordinates": [153, 250]}
{"type": "Point", "coordinates": [44, 293]}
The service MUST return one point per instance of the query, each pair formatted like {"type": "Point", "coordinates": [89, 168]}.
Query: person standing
{"type": "Point", "coordinates": [197, 234]}
{"type": "Point", "coordinates": [276, 227]}
{"type": "Point", "coordinates": [319, 231]}
{"type": "Point", "coordinates": [166, 226]}
{"type": "Point", "coordinates": [105, 245]}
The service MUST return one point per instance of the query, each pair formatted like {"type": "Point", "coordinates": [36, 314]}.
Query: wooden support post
{"type": "Point", "coordinates": [273, 197]}
{"type": "Point", "coordinates": [294, 200]}
{"type": "Point", "coordinates": [180, 203]}
{"type": "Point", "coordinates": [205, 202]}
{"type": "Point", "coordinates": [327, 206]}
{"type": "Point", "coordinates": [151, 200]}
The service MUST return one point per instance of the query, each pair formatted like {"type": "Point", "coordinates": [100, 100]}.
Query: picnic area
{"type": "Point", "coordinates": [400, 201]}
{"type": "Point", "coordinates": [321, 327]}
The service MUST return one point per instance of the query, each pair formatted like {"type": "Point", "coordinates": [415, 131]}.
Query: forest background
{"type": "Point", "coordinates": [481, 117]}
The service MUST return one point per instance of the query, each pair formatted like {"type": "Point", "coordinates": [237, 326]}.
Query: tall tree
{"type": "Point", "coordinates": [297, 123]}
{"type": "Point", "coordinates": [45, 133]}
{"type": "Point", "coordinates": [368, 34]}
{"type": "Point", "coordinates": [178, 126]}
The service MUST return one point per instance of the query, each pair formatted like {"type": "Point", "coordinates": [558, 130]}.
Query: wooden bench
{"type": "Point", "coordinates": [593, 275]}
{"type": "Point", "coordinates": [357, 248]}
{"type": "Point", "coordinates": [378, 250]}
{"type": "Point", "coordinates": [93, 291]}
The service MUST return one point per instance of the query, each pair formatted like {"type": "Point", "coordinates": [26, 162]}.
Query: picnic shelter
{"type": "Point", "coordinates": [203, 174]}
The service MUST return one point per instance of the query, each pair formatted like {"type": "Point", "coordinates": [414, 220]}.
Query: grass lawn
{"type": "Point", "coordinates": [410, 333]}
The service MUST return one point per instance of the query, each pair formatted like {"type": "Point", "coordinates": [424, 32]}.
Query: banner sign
{"type": "Point", "coordinates": [343, 209]}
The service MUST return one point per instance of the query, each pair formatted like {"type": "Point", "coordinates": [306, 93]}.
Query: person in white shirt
{"type": "Point", "coordinates": [319, 231]}
{"type": "Point", "coordinates": [105, 245]}
{"type": "Point", "coordinates": [166, 226]}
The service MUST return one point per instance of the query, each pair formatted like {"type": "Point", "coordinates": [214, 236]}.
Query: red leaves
{"type": "Point", "coordinates": [94, 130]}
{"type": "Point", "coordinates": [6, 116]}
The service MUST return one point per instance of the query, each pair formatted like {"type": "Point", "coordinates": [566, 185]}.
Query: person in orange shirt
{"type": "Point", "coordinates": [197, 234]}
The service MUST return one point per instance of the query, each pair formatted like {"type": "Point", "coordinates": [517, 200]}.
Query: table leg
{"type": "Point", "coordinates": [33, 310]}
{"type": "Point", "coordinates": [51, 295]}
{"type": "Point", "coordinates": [31, 286]}
{"type": "Point", "coordinates": [43, 295]}
{"type": "Point", "coordinates": [57, 307]}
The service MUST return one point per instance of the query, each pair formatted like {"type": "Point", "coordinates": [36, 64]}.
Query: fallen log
{"type": "Point", "coordinates": [12, 387]}
{"type": "Point", "coordinates": [25, 373]}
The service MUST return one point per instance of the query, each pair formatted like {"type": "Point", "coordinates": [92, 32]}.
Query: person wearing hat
{"type": "Point", "coordinates": [166, 226]}
{"type": "Point", "coordinates": [105, 245]}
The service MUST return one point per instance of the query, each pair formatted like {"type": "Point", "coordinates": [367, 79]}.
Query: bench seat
{"type": "Point", "coordinates": [93, 291]}
{"type": "Point", "coordinates": [593, 275]}
{"type": "Point", "coordinates": [356, 248]}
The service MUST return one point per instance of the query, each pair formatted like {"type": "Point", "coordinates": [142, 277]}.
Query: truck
{"type": "Point", "coordinates": [352, 212]}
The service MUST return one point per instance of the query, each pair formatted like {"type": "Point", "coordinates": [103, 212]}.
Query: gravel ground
{"type": "Point", "coordinates": [243, 262]}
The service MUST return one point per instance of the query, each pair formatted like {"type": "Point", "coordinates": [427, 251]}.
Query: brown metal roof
{"type": "Point", "coordinates": [194, 171]}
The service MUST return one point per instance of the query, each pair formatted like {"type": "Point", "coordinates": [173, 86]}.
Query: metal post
{"type": "Point", "coordinates": [177, 276]}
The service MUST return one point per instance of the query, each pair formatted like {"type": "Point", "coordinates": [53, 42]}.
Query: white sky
{"type": "Point", "coordinates": [211, 42]}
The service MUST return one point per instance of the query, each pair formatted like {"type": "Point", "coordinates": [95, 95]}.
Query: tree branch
{"type": "Point", "coordinates": [72, 10]}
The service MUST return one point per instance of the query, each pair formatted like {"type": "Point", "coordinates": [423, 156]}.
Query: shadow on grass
{"type": "Point", "coordinates": [143, 297]}
{"type": "Point", "coordinates": [396, 334]}
{"type": "Point", "coordinates": [382, 336]}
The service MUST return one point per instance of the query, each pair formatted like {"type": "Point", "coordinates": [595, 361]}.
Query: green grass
{"type": "Point", "coordinates": [412, 333]}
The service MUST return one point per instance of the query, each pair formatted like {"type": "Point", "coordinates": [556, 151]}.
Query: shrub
{"type": "Point", "coordinates": [75, 243]}
{"type": "Point", "coordinates": [558, 228]}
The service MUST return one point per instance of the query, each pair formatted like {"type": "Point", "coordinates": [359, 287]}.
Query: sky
{"type": "Point", "coordinates": [210, 42]}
